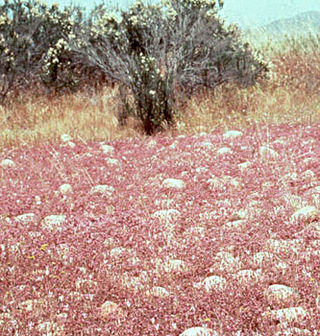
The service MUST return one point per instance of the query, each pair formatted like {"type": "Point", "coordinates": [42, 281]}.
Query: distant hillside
{"type": "Point", "coordinates": [300, 23]}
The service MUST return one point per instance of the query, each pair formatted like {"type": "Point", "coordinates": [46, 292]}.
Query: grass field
{"type": "Point", "coordinates": [292, 96]}
{"type": "Point", "coordinates": [209, 228]}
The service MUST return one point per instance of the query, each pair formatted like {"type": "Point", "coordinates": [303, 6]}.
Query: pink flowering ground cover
{"type": "Point", "coordinates": [214, 234]}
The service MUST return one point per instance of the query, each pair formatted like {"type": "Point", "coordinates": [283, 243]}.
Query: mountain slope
{"type": "Point", "coordinates": [301, 23]}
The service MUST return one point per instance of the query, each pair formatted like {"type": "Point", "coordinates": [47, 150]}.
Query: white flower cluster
{"type": "Point", "coordinates": [4, 19]}
{"type": "Point", "coordinates": [71, 36]}
{"type": "Point", "coordinates": [199, 3]}
{"type": "Point", "coordinates": [106, 21]}
{"type": "Point", "coordinates": [35, 11]}
{"type": "Point", "coordinates": [135, 20]}
{"type": "Point", "coordinates": [147, 62]}
{"type": "Point", "coordinates": [258, 57]}
{"type": "Point", "coordinates": [271, 74]}
{"type": "Point", "coordinates": [140, 14]}
{"type": "Point", "coordinates": [66, 24]}
{"type": "Point", "coordinates": [62, 45]}
{"type": "Point", "coordinates": [211, 13]}
{"type": "Point", "coordinates": [95, 32]}
{"type": "Point", "coordinates": [2, 40]}
{"type": "Point", "coordinates": [148, 67]}
{"type": "Point", "coordinates": [70, 21]}
{"type": "Point", "coordinates": [172, 14]}
{"type": "Point", "coordinates": [52, 56]}
{"type": "Point", "coordinates": [7, 56]}
{"type": "Point", "coordinates": [110, 18]}
{"type": "Point", "coordinates": [53, 17]}
{"type": "Point", "coordinates": [106, 25]}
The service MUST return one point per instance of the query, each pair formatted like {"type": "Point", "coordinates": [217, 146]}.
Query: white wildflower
{"type": "Point", "coordinates": [2, 20]}
{"type": "Point", "coordinates": [71, 36]}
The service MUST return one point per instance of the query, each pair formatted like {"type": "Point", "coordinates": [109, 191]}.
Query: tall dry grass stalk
{"type": "Point", "coordinates": [292, 96]}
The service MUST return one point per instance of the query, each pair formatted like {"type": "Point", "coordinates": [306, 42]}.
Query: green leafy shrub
{"type": "Point", "coordinates": [33, 47]}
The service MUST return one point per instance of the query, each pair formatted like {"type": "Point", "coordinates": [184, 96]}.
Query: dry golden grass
{"type": "Point", "coordinates": [291, 97]}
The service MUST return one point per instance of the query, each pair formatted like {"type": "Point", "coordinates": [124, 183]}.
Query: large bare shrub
{"type": "Point", "coordinates": [162, 53]}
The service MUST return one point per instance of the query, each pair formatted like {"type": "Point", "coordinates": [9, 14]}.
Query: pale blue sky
{"type": "Point", "coordinates": [243, 12]}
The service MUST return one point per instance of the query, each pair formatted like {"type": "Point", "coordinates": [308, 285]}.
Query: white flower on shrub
{"type": "Point", "coordinates": [2, 40]}
{"type": "Point", "coordinates": [3, 20]}
{"type": "Point", "coordinates": [35, 11]}
{"type": "Point", "coordinates": [62, 44]}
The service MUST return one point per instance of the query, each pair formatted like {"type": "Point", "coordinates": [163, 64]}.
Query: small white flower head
{"type": "Point", "coordinates": [71, 36]}
{"type": "Point", "coordinates": [172, 13]}
{"type": "Point", "coordinates": [2, 20]}
{"type": "Point", "coordinates": [152, 92]}
{"type": "Point", "coordinates": [71, 21]}
{"type": "Point", "coordinates": [62, 44]}
{"type": "Point", "coordinates": [35, 11]}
